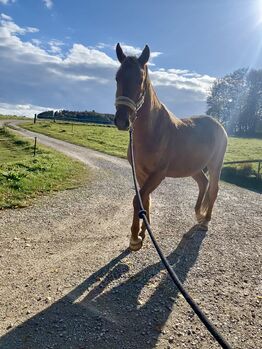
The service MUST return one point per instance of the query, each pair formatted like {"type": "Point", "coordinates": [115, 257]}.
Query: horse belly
{"type": "Point", "coordinates": [188, 165]}
{"type": "Point", "coordinates": [178, 172]}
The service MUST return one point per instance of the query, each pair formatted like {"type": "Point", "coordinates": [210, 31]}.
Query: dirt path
{"type": "Point", "coordinates": [67, 280]}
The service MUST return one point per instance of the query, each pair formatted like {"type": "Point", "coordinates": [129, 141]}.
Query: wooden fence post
{"type": "Point", "coordinates": [35, 146]}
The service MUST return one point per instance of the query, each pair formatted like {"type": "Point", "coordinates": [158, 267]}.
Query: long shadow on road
{"type": "Point", "coordinates": [105, 312]}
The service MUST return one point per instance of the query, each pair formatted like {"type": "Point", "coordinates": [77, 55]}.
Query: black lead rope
{"type": "Point", "coordinates": [142, 214]}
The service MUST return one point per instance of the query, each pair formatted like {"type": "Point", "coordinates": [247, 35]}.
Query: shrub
{"type": "Point", "coordinates": [245, 170]}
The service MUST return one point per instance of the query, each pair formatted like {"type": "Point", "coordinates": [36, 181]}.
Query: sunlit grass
{"type": "Point", "coordinates": [23, 176]}
{"type": "Point", "coordinates": [106, 139]}
{"type": "Point", "coordinates": [9, 117]}
{"type": "Point", "coordinates": [243, 149]}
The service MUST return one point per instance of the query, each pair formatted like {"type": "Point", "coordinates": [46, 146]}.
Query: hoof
{"type": "Point", "coordinates": [203, 225]}
{"type": "Point", "coordinates": [135, 244]}
{"type": "Point", "coordinates": [202, 221]}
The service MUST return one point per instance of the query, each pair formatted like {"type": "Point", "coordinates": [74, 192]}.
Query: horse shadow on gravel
{"type": "Point", "coordinates": [105, 310]}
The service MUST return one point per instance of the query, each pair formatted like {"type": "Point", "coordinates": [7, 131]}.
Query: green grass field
{"type": "Point", "coordinates": [9, 117]}
{"type": "Point", "coordinates": [23, 176]}
{"type": "Point", "coordinates": [111, 141]}
{"type": "Point", "coordinates": [244, 149]}
{"type": "Point", "coordinates": [106, 139]}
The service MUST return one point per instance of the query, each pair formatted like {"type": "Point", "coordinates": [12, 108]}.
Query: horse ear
{"type": "Point", "coordinates": [120, 54]}
{"type": "Point", "coordinates": [144, 57]}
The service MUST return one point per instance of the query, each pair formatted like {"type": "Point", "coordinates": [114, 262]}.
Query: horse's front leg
{"type": "Point", "coordinates": [147, 208]}
{"type": "Point", "coordinates": [136, 239]}
{"type": "Point", "coordinates": [150, 185]}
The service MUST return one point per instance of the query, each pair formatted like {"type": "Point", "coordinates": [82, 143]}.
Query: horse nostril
{"type": "Point", "coordinates": [126, 123]}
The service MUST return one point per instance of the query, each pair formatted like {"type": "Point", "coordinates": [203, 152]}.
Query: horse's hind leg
{"type": "Point", "coordinates": [214, 169]}
{"type": "Point", "coordinates": [214, 175]}
{"type": "Point", "coordinates": [202, 182]}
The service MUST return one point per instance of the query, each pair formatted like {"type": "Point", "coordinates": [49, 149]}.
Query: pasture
{"type": "Point", "coordinates": [23, 176]}
{"type": "Point", "coordinates": [113, 142]}
{"type": "Point", "coordinates": [106, 139]}
{"type": "Point", "coordinates": [12, 117]}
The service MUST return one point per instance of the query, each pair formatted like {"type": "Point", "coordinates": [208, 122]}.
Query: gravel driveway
{"type": "Point", "coordinates": [67, 280]}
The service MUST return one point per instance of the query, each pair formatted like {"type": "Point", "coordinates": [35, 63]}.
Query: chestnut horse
{"type": "Point", "coordinates": [165, 146]}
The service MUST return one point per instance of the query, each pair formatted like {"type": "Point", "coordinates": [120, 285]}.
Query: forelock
{"type": "Point", "coordinates": [131, 62]}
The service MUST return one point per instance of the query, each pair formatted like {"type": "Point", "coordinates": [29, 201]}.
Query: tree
{"type": "Point", "coordinates": [251, 115]}
{"type": "Point", "coordinates": [227, 99]}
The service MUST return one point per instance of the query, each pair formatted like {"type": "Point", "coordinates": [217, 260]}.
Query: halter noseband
{"type": "Point", "coordinates": [123, 100]}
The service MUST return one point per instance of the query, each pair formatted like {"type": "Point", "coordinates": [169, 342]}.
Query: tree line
{"type": "Point", "coordinates": [79, 116]}
{"type": "Point", "coordinates": [236, 101]}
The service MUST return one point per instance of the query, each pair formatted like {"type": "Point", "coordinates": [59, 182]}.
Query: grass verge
{"type": "Point", "coordinates": [23, 176]}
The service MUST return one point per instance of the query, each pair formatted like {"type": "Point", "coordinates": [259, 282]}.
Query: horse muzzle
{"type": "Point", "coordinates": [122, 120]}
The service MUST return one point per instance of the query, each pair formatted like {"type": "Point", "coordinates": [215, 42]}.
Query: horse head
{"type": "Point", "coordinates": [131, 79]}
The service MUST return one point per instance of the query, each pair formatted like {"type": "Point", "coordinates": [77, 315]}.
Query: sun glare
{"type": "Point", "coordinates": [259, 12]}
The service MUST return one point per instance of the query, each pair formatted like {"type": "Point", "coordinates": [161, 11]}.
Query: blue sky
{"type": "Point", "coordinates": [60, 53]}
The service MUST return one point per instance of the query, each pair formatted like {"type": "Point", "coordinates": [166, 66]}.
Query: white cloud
{"type": "Point", "coordinates": [48, 3]}
{"type": "Point", "coordinates": [34, 73]}
{"type": "Point", "coordinates": [4, 16]}
{"type": "Point", "coordinates": [80, 54]}
{"type": "Point", "coordinates": [30, 75]}
{"type": "Point", "coordinates": [184, 92]}
{"type": "Point", "coordinates": [21, 109]}
{"type": "Point", "coordinates": [36, 42]}
{"type": "Point", "coordinates": [55, 46]}
{"type": "Point", "coordinates": [8, 27]}
{"type": "Point", "coordinates": [183, 80]}
{"type": "Point", "coordinates": [5, 2]}
{"type": "Point", "coordinates": [136, 51]}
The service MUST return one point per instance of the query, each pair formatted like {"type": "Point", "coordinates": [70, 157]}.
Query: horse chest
{"type": "Point", "coordinates": [148, 163]}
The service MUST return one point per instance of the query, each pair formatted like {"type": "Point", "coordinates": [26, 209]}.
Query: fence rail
{"type": "Point", "coordinates": [246, 162]}
{"type": "Point", "coordinates": [241, 162]}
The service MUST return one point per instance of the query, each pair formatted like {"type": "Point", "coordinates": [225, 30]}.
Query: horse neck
{"type": "Point", "coordinates": [153, 112]}
{"type": "Point", "coordinates": [150, 111]}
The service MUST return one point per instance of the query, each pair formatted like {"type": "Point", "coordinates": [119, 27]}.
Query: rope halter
{"type": "Point", "coordinates": [123, 100]}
